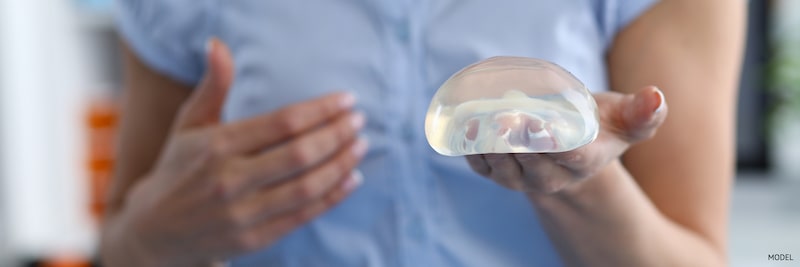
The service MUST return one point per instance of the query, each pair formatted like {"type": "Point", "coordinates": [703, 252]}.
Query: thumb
{"type": "Point", "coordinates": [205, 104]}
{"type": "Point", "coordinates": [643, 114]}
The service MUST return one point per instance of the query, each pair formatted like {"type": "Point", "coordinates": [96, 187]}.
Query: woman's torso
{"type": "Point", "coordinates": [415, 208]}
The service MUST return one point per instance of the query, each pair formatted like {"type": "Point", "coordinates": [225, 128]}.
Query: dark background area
{"type": "Point", "coordinates": [751, 141]}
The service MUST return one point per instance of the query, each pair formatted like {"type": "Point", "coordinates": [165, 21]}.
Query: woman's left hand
{"type": "Point", "coordinates": [624, 121]}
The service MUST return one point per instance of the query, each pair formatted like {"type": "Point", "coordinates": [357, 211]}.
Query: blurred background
{"type": "Point", "coordinates": [60, 79]}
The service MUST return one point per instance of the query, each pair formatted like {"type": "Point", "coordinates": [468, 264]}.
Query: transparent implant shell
{"type": "Point", "coordinates": [511, 105]}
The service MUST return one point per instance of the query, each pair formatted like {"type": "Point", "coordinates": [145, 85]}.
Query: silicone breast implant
{"type": "Point", "coordinates": [511, 105]}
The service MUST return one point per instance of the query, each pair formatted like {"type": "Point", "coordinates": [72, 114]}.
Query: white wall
{"type": "Point", "coordinates": [785, 19]}
{"type": "Point", "coordinates": [44, 77]}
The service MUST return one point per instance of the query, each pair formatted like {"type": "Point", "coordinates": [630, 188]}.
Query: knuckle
{"type": "Point", "coordinates": [334, 197]}
{"type": "Point", "coordinates": [344, 132]}
{"type": "Point", "coordinates": [552, 186]}
{"type": "Point", "coordinates": [496, 159]}
{"type": "Point", "coordinates": [220, 144]}
{"type": "Point", "coordinates": [237, 218]}
{"type": "Point", "coordinates": [221, 189]}
{"type": "Point", "coordinates": [575, 161]}
{"type": "Point", "coordinates": [546, 185]}
{"type": "Point", "coordinates": [225, 186]}
{"type": "Point", "coordinates": [579, 166]}
{"type": "Point", "coordinates": [572, 159]}
{"type": "Point", "coordinates": [330, 199]}
{"type": "Point", "coordinates": [305, 190]}
{"type": "Point", "coordinates": [344, 168]}
{"type": "Point", "coordinates": [289, 121]}
{"type": "Point", "coordinates": [300, 155]}
{"type": "Point", "coordinates": [343, 165]}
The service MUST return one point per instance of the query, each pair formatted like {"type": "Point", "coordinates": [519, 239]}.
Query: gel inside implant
{"type": "Point", "coordinates": [511, 105]}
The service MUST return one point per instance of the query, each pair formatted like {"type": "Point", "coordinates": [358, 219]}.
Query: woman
{"type": "Point", "coordinates": [246, 154]}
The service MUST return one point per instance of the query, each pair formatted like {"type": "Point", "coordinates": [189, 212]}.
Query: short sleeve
{"type": "Point", "coordinates": [615, 15]}
{"type": "Point", "coordinates": [168, 36]}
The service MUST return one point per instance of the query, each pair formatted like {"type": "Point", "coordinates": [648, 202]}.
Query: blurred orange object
{"type": "Point", "coordinates": [101, 127]}
{"type": "Point", "coordinates": [66, 261]}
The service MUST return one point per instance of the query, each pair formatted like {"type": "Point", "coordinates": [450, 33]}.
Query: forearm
{"type": "Point", "coordinates": [120, 249]}
{"type": "Point", "coordinates": [116, 249]}
{"type": "Point", "coordinates": [608, 220]}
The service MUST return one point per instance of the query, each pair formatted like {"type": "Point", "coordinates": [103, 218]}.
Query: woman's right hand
{"type": "Point", "coordinates": [219, 190]}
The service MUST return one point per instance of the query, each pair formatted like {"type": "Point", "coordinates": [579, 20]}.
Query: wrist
{"type": "Point", "coordinates": [121, 245]}
{"type": "Point", "coordinates": [583, 192]}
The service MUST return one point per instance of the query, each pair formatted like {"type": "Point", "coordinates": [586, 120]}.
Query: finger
{"type": "Point", "coordinates": [269, 231]}
{"type": "Point", "coordinates": [478, 164]}
{"type": "Point", "coordinates": [625, 120]}
{"type": "Point", "coordinates": [504, 169]}
{"type": "Point", "coordinates": [643, 114]}
{"type": "Point", "coordinates": [205, 104]}
{"type": "Point", "coordinates": [541, 174]}
{"type": "Point", "coordinates": [293, 157]}
{"type": "Point", "coordinates": [585, 161]}
{"type": "Point", "coordinates": [257, 133]}
{"type": "Point", "coordinates": [481, 166]}
{"type": "Point", "coordinates": [297, 192]}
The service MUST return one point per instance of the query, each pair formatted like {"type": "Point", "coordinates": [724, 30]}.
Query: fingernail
{"type": "Point", "coordinates": [357, 120]}
{"type": "Point", "coordinates": [355, 179]}
{"type": "Point", "coordinates": [347, 100]}
{"type": "Point", "coordinates": [360, 147]}
{"type": "Point", "coordinates": [661, 102]}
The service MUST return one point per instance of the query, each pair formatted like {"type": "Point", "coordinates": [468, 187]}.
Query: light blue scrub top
{"type": "Point", "coordinates": [416, 208]}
